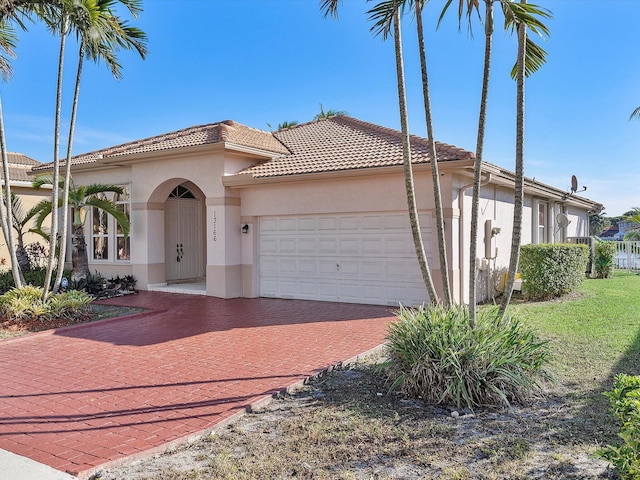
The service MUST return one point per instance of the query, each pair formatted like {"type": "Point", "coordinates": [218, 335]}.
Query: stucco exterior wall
{"type": "Point", "coordinates": [29, 198]}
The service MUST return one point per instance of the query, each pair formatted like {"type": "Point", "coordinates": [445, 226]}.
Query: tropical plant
{"type": "Point", "coordinates": [523, 67]}
{"type": "Point", "coordinates": [27, 303]}
{"type": "Point", "coordinates": [82, 198]}
{"type": "Point", "coordinates": [327, 114]}
{"type": "Point", "coordinates": [434, 353]}
{"type": "Point", "coordinates": [21, 220]}
{"type": "Point", "coordinates": [633, 232]}
{"type": "Point", "coordinates": [625, 403]}
{"type": "Point", "coordinates": [511, 11]}
{"type": "Point", "coordinates": [283, 125]}
{"type": "Point", "coordinates": [100, 34]}
{"type": "Point", "coordinates": [604, 258]}
{"type": "Point", "coordinates": [7, 45]}
{"type": "Point", "coordinates": [635, 114]}
{"type": "Point", "coordinates": [382, 27]}
{"type": "Point", "coordinates": [383, 14]}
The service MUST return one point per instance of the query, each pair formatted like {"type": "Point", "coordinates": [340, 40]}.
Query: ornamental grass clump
{"type": "Point", "coordinates": [435, 354]}
{"type": "Point", "coordinates": [26, 304]}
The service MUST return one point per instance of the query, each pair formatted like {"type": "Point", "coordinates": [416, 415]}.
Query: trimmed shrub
{"type": "Point", "coordinates": [552, 270]}
{"type": "Point", "coordinates": [26, 303]}
{"type": "Point", "coordinates": [434, 353]}
{"type": "Point", "coordinates": [625, 402]}
{"type": "Point", "coordinates": [603, 258]}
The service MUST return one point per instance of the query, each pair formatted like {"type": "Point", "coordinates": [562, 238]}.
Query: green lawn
{"type": "Point", "coordinates": [594, 335]}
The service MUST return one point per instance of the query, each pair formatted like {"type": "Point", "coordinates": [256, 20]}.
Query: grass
{"type": "Point", "coordinates": [347, 425]}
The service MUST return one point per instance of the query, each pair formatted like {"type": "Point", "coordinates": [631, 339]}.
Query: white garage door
{"type": "Point", "coordinates": [358, 258]}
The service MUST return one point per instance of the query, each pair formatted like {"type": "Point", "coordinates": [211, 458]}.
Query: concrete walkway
{"type": "Point", "coordinates": [83, 397]}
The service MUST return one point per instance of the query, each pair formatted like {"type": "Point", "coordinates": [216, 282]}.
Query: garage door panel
{"type": "Point", "coordinates": [350, 245]}
{"type": "Point", "coordinates": [307, 245]}
{"type": "Point", "coordinates": [287, 225]}
{"type": "Point", "coordinates": [268, 246]}
{"type": "Point", "coordinates": [359, 258]}
{"type": "Point", "coordinates": [327, 245]}
{"type": "Point", "coordinates": [328, 223]}
{"type": "Point", "coordinates": [307, 224]}
{"type": "Point", "coordinates": [327, 266]}
{"type": "Point", "coordinates": [308, 266]}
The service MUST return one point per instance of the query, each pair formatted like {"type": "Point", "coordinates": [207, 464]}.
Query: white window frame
{"type": "Point", "coordinates": [112, 234]}
{"type": "Point", "coordinates": [540, 207]}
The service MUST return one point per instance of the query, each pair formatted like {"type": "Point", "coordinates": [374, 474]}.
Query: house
{"type": "Point", "coordinates": [316, 211]}
{"type": "Point", "coordinates": [20, 183]}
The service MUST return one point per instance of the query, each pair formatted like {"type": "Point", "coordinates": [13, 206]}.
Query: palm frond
{"type": "Point", "coordinates": [329, 8]}
{"type": "Point", "coordinates": [113, 210]}
{"type": "Point", "coordinates": [635, 114]}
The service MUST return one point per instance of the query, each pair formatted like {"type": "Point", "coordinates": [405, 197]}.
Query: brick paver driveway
{"type": "Point", "coordinates": [81, 397]}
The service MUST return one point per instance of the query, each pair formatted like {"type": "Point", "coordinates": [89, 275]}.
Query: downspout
{"type": "Point", "coordinates": [462, 252]}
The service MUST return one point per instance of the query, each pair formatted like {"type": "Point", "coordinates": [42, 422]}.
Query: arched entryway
{"type": "Point", "coordinates": [183, 236]}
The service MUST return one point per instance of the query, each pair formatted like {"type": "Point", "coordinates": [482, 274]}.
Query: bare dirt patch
{"type": "Point", "coordinates": [347, 425]}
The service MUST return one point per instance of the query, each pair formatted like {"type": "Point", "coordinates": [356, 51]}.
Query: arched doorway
{"type": "Point", "coordinates": [183, 235]}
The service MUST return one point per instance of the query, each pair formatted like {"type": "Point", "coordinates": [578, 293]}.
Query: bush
{"type": "Point", "coordinates": [603, 259]}
{"type": "Point", "coordinates": [433, 353]}
{"type": "Point", "coordinates": [26, 303]}
{"type": "Point", "coordinates": [31, 277]}
{"type": "Point", "coordinates": [625, 401]}
{"type": "Point", "coordinates": [552, 270]}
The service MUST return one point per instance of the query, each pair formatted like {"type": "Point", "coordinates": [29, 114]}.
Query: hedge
{"type": "Point", "coordinates": [552, 270]}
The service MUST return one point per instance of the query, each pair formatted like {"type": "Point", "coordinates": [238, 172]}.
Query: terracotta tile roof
{"type": "Point", "coordinates": [333, 144]}
{"type": "Point", "coordinates": [345, 143]}
{"type": "Point", "coordinates": [227, 131]}
{"type": "Point", "coordinates": [19, 165]}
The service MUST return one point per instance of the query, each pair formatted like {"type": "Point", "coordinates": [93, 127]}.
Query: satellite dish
{"type": "Point", "coordinates": [574, 184]}
{"type": "Point", "coordinates": [562, 220]}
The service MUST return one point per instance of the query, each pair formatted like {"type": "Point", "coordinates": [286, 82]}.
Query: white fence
{"type": "Point", "coordinates": [628, 255]}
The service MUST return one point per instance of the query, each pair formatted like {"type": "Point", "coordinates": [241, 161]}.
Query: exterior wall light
{"type": "Point", "coordinates": [245, 228]}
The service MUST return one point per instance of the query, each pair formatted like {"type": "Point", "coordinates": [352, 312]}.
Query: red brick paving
{"type": "Point", "coordinates": [79, 397]}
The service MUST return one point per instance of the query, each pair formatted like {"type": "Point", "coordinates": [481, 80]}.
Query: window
{"type": "Point", "coordinates": [540, 232]}
{"type": "Point", "coordinates": [108, 242]}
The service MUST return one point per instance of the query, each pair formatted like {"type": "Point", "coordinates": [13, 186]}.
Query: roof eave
{"type": "Point", "coordinates": [247, 180]}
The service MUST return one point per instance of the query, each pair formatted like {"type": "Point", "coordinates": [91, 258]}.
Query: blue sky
{"type": "Point", "coordinates": [266, 61]}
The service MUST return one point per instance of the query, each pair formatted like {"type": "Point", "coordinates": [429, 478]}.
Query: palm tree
{"type": "Point", "coordinates": [82, 198]}
{"type": "Point", "coordinates": [386, 16]}
{"type": "Point", "coordinates": [519, 177]}
{"type": "Point", "coordinates": [329, 113]}
{"type": "Point", "coordinates": [435, 174]}
{"type": "Point", "coordinates": [21, 220]}
{"type": "Point", "coordinates": [467, 7]}
{"type": "Point", "coordinates": [7, 45]}
{"type": "Point", "coordinates": [100, 34]}
{"type": "Point", "coordinates": [635, 114]}
{"type": "Point", "coordinates": [633, 232]}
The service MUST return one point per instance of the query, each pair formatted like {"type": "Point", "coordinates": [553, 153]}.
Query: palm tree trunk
{"type": "Point", "coordinates": [408, 170]}
{"type": "Point", "coordinates": [5, 209]}
{"type": "Point", "coordinates": [477, 167]}
{"type": "Point", "coordinates": [79, 255]}
{"type": "Point", "coordinates": [67, 175]}
{"type": "Point", "coordinates": [519, 177]}
{"type": "Point", "coordinates": [53, 236]}
{"type": "Point", "coordinates": [435, 174]}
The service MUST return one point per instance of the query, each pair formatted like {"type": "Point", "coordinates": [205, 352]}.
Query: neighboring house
{"type": "Point", "coordinates": [20, 182]}
{"type": "Point", "coordinates": [316, 211]}
{"type": "Point", "coordinates": [623, 227]}
{"type": "Point", "coordinates": [610, 233]}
